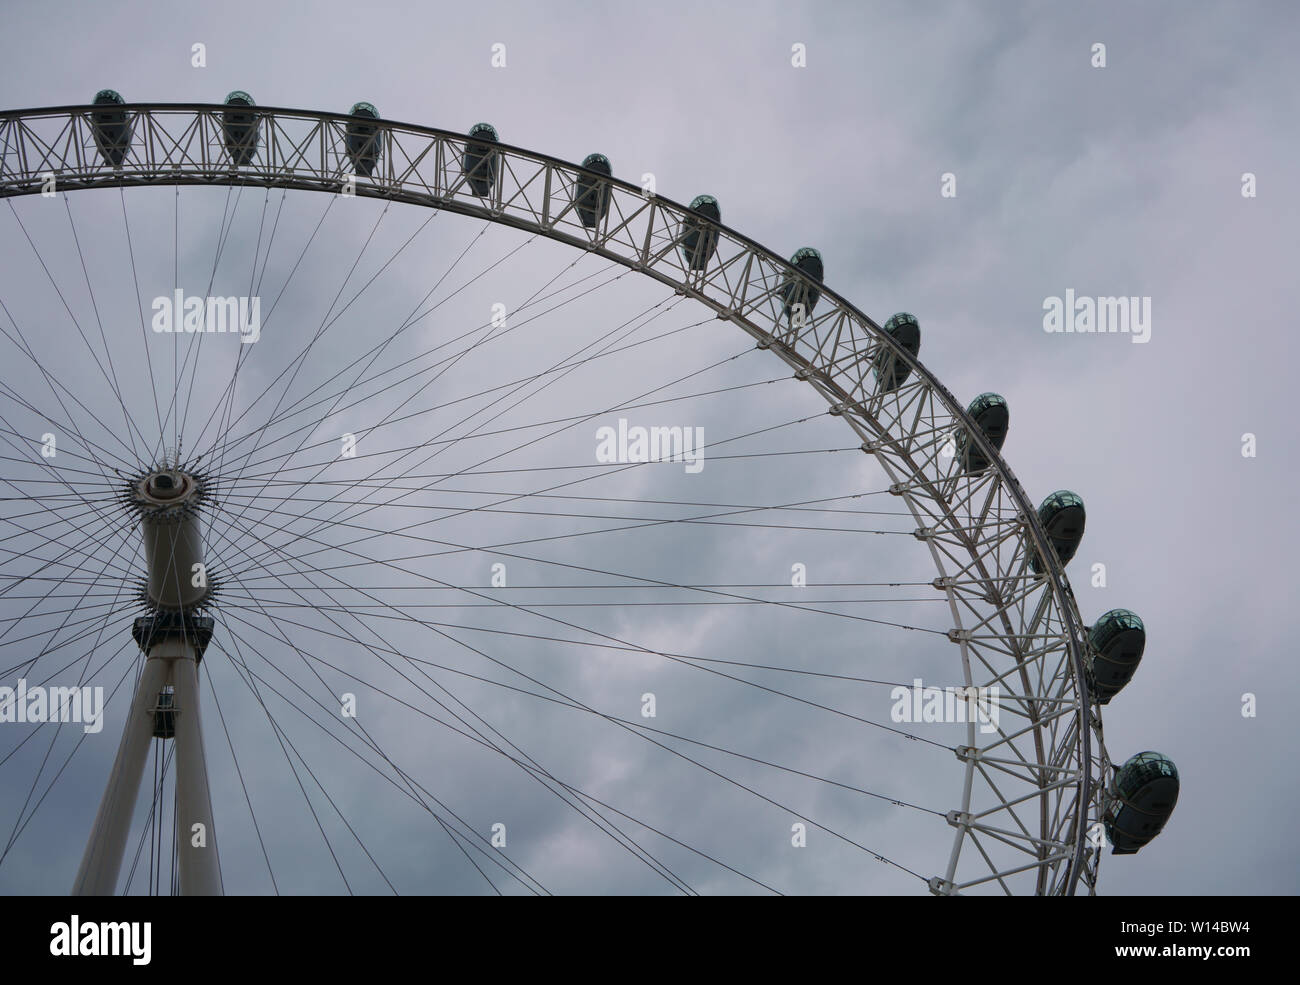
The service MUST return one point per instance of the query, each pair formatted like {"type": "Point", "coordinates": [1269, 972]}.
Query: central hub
{"type": "Point", "coordinates": [167, 487]}
{"type": "Point", "coordinates": [168, 501]}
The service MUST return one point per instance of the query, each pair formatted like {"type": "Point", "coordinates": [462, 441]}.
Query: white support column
{"type": "Point", "coordinates": [200, 868]}
{"type": "Point", "coordinates": [174, 637]}
{"type": "Point", "coordinates": [102, 860]}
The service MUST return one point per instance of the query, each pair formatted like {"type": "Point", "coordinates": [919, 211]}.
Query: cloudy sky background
{"type": "Point", "coordinates": [1117, 181]}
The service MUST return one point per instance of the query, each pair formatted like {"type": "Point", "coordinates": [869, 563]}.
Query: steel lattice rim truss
{"type": "Point", "coordinates": [1045, 767]}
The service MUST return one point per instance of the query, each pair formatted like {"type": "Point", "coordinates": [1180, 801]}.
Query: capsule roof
{"type": "Point", "coordinates": [239, 98]}
{"type": "Point", "coordinates": [809, 254]}
{"type": "Point", "coordinates": [906, 331]}
{"type": "Point", "coordinates": [485, 130]}
{"type": "Point", "coordinates": [706, 206]}
{"type": "Point", "coordinates": [597, 162]}
{"type": "Point", "coordinates": [108, 96]}
{"type": "Point", "coordinates": [1111, 624]}
{"type": "Point", "coordinates": [905, 328]}
{"type": "Point", "coordinates": [1142, 769]}
{"type": "Point", "coordinates": [985, 402]}
{"type": "Point", "coordinates": [1058, 502]}
{"type": "Point", "coordinates": [364, 109]}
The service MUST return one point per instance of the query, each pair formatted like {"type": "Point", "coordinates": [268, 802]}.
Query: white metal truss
{"type": "Point", "coordinates": [1033, 788]}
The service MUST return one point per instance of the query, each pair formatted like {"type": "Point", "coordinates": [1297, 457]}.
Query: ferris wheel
{"type": "Point", "coordinates": [483, 522]}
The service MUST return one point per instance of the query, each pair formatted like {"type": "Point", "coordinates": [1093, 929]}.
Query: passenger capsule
{"type": "Point", "coordinates": [700, 238]}
{"type": "Point", "coordinates": [363, 139]}
{"type": "Point", "coordinates": [239, 126]}
{"type": "Point", "coordinates": [481, 159]}
{"type": "Point", "coordinates": [906, 331]}
{"type": "Point", "coordinates": [110, 126]}
{"type": "Point", "coordinates": [591, 195]}
{"type": "Point", "coordinates": [991, 415]}
{"type": "Point", "coordinates": [1063, 517]}
{"type": "Point", "coordinates": [1116, 641]}
{"type": "Point", "coordinates": [794, 292]}
{"type": "Point", "coordinates": [1140, 799]}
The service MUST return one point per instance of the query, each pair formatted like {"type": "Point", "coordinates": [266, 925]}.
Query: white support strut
{"type": "Point", "coordinates": [102, 860]}
{"type": "Point", "coordinates": [172, 660]}
{"type": "Point", "coordinates": [200, 870]}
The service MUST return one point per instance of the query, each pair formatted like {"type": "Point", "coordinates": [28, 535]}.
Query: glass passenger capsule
{"type": "Point", "coordinates": [1140, 800]}
{"type": "Point", "coordinates": [591, 195]}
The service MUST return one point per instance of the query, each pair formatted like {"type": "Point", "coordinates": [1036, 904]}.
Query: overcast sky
{"type": "Point", "coordinates": [1122, 180]}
